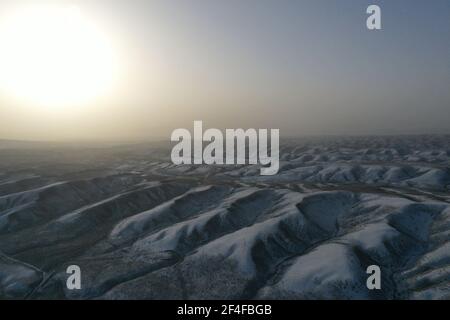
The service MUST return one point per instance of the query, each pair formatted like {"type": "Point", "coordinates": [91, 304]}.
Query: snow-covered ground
{"type": "Point", "coordinates": [140, 227]}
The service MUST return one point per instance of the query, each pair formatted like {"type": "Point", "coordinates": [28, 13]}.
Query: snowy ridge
{"type": "Point", "coordinates": [146, 229]}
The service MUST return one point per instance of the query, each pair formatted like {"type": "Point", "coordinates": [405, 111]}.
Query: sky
{"type": "Point", "coordinates": [306, 67]}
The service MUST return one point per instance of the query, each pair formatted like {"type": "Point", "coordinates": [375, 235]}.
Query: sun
{"type": "Point", "coordinates": [54, 57]}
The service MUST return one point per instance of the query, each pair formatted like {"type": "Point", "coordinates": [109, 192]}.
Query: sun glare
{"type": "Point", "coordinates": [54, 57]}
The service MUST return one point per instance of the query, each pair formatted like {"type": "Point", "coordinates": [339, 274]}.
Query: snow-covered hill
{"type": "Point", "coordinates": [140, 227]}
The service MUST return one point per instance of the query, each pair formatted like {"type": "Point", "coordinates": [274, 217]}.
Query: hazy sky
{"type": "Point", "coordinates": [303, 66]}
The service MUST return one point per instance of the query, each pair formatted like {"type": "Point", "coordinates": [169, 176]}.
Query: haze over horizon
{"type": "Point", "coordinates": [305, 67]}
